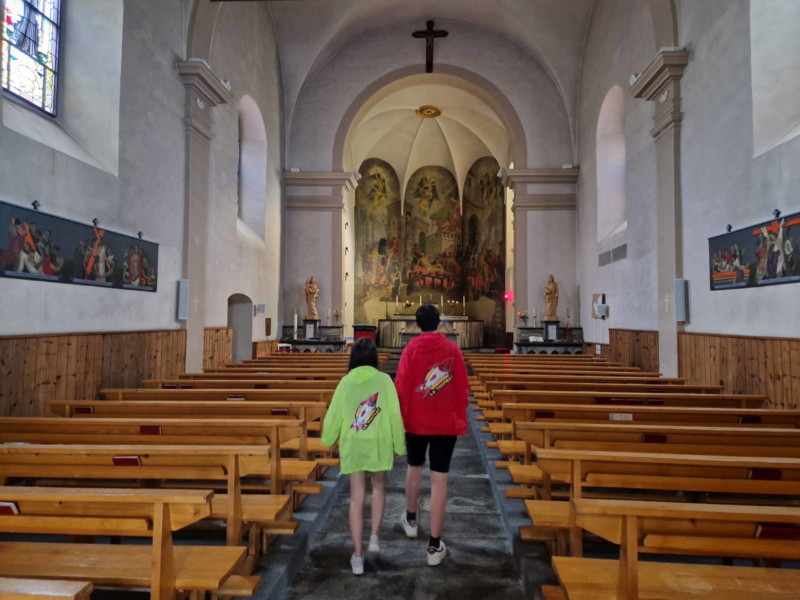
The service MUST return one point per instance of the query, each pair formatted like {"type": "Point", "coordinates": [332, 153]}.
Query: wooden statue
{"type": "Point", "coordinates": [312, 293]}
{"type": "Point", "coordinates": [551, 299]}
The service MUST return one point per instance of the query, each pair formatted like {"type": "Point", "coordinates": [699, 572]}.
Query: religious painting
{"type": "Point", "coordinates": [432, 241]}
{"type": "Point", "coordinates": [45, 247]}
{"type": "Point", "coordinates": [758, 255]}
{"type": "Point", "coordinates": [483, 243]}
{"type": "Point", "coordinates": [378, 232]}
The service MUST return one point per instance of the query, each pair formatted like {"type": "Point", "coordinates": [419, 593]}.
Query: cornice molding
{"type": "Point", "coordinates": [197, 76]}
{"type": "Point", "coordinates": [538, 202]}
{"type": "Point", "coordinates": [315, 203]}
{"type": "Point", "coordinates": [666, 67]}
{"type": "Point", "coordinates": [320, 179]}
{"type": "Point", "coordinates": [515, 177]}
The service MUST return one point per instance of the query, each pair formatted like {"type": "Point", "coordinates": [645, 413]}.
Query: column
{"type": "Point", "coordinates": [544, 236]}
{"type": "Point", "coordinates": [660, 84]}
{"type": "Point", "coordinates": [204, 91]}
{"type": "Point", "coordinates": [316, 217]}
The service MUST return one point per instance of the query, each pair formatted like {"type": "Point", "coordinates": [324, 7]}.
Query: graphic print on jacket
{"type": "Point", "coordinates": [437, 377]}
{"type": "Point", "coordinates": [366, 412]}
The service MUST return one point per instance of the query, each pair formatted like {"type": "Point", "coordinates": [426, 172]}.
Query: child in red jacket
{"type": "Point", "coordinates": [432, 387]}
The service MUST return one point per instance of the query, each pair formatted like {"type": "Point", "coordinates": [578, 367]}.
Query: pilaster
{"type": "Point", "coordinates": [660, 84]}
{"type": "Point", "coordinates": [204, 91]}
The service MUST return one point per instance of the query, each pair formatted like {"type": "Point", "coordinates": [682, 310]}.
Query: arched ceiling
{"type": "Point", "coordinates": [310, 32]}
{"type": "Point", "coordinates": [388, 127]}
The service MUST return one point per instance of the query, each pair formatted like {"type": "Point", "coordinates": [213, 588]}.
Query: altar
{"type": "Point", "coordinates": [468, 332]}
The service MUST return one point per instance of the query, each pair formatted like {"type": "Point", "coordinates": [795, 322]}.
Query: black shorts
{"type": "Point", "coordinates": [440, 453]}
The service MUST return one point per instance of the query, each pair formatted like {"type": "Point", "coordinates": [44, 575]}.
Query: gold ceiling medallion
{"type": "Point", "coordinates": [428, 111]}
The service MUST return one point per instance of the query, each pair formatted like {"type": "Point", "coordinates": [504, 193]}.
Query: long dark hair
{"type": "Point", "coordinates": [363, 353]}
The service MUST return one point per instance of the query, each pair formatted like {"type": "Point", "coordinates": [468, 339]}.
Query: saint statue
{"type": "Point", "coordinates": [312, 293]}
{"type": "Point", "coordinates": [551, 299]}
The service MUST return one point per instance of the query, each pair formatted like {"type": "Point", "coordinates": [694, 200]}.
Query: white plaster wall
{"type": "Point", "coordinates": [330, 91]}
{"type": "Point", "coordinates": [148, 194]}
{"type": "Point", "coordinates": [722, 182]}
{"type": "Point", "coordinates": [551, 250]}
{"type": "Point", "coordinates": [308, 252]}
{"type": "Point", "coordinates": [620, 42]}
{"type": "Point", "coordinates": [238, 261]}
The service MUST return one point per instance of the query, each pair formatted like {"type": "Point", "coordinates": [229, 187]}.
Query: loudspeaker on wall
{"type": "Point", "coordinates": [681, 306]}
{"type": "Point", "coordinates": [182, 308]}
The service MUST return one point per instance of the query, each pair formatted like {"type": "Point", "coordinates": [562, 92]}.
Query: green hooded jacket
{"type": "Point", "coordinates": [365, 416]}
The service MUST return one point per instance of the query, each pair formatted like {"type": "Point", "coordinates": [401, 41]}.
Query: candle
{"type": "Point", "coordinates": [464, 300]}
{"type": "Point", "coordinates": [420, 299]}
{"type": "Point", "coordinates": [568, 312]}
{"type": "Point", "coordinates": [295, 320]}
{"type": "Point", "coordinates": [533, 312]}
{"type": "Point", "coordinates": [441, 300]}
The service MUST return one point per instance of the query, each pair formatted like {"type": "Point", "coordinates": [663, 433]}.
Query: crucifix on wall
{"type": "Point", "coordinates": [430, 34]}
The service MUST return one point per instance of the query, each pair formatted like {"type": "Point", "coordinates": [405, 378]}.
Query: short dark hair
{"type": "Point", "coordinates": [363, 353]}
{"type": "Point", "coordinates": [427, 317]}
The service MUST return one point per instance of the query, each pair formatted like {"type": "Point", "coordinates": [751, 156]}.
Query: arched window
{"type": "Point", "coordinates": [611, 201]}
{"type": "Point", "coordinates": [252, 166]}
{"type": "Point", "coordinates": [31, 31]}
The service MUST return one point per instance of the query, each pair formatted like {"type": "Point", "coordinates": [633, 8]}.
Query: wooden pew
{"type": "Point", "coordinates": [14, 588]}
{"type": "Point", "coordinates": [240, 383]}
{"type": "Point", "coordinates": [656, 387]}
{"type": "Point", "coordinates": [580, 369]}
{"type": "Point", "coordinates": [739, 477]}
{"type": "Point", "coordinates": [670, 528]}
{"type": "Point", "coordinates": [631, 398]}
{"type": "Point", "coordinates": [223, 465]}
{"type": "Point", "coordinates": [309, 373]}
{"type": "Point", "coordinates": [311, 413]}
{"type": "Point", "coordinates": [217, 394]}
{"type": "Point", "coordinates": [162, 567]}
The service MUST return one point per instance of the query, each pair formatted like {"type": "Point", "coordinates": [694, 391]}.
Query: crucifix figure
{"type": "Point", "coordinates": [429, 34]}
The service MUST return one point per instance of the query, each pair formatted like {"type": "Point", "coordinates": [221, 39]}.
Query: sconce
{"type": "Point", "coordinates": [140, 234]}
{"type": "Point", "coordinates": [35, 204]}
{"type": "Point", "coordinates": [346, 276]}
{"type": "Point", "coordinates": [776, 213]}
{"type": "Point", "coordinates": [346, 250]}
{"type": "Point", "coordinates": [728, 227]}
{"type": "Point", "coordinates": [95, 221]}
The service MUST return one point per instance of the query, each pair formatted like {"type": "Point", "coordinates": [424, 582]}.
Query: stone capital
{"type": "Point", "coordinates": [344, 181]}
{"type": "Point", "coordinates": [539, 202]}
{"type": "Point", "coordinates": [315, 203]}
{"type": "Point", "coordinates": [660, 82]}
{"type": "Point", "coordinates": [196, 75]}
{"type": "Point", "coordinates": [512, 178]}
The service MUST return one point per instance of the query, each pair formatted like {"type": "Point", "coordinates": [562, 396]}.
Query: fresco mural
{"type": "Point", "coordinates": [484, 244]}
{"type": "Point", "coordinates": [377, 236]}
{"type": "Point", "coordinates": [432, 240]}
{"type": "Point", "coordinates": [424, 248]}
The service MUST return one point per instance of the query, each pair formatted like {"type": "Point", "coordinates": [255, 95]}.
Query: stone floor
{"type": "Point", "coordinates": [479, 562]}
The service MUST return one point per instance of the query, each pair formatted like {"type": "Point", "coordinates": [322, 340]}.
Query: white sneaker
{"type": "Point", "coordinates": [409, 527]}
{"type": "Point", "coordinates": [357, 564]}
{"type": "Point", "coordinates": [436, 555]}
{"type": "Point", "coordinates": [374, 544]}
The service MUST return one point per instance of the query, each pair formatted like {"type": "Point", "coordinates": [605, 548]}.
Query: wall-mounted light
{"type": "Point", "coordinates": [95, 221]}
{"type": "Point", "coordinates": [728, 227]}
{"type": "Point", "coordinates": [140, 234]}
{"type": "Point", "coordinates": [347, 224]}
{"type": "Point", "coordinates": [346, 276]}
{"type": "Point", "coordinates": [776, 213]}
{"type": "Point", "coordinates": [35, 204]}
{"type": "Point", "coordinates": [346, 250]}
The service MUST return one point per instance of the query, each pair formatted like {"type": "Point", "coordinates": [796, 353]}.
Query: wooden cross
{"type": "Point", "coordinates": [429, 34]}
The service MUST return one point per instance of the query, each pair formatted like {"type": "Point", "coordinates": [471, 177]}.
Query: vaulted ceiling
{"type": "Point", "coordinates": [310, 32]}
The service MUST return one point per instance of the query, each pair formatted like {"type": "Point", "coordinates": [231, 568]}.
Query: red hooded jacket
{"type": "Point", "coordinates": [432, 386]}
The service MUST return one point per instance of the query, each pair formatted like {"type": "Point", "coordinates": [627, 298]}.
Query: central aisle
{"type": "Point", "coordinates": [478, 565]}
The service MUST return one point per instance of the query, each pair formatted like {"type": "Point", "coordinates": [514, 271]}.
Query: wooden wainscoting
{"type": "Point", "coordinates": [744, 365]}
{"type": "Point", "coordinates": [217, 347]}
{"type": "Point", "coordinates": [631, 347]}
{"type": "Point", "coordinates": [34, 369]}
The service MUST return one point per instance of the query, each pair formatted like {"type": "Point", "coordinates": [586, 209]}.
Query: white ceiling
{"type": "Point", "coordinates": [388, 127]}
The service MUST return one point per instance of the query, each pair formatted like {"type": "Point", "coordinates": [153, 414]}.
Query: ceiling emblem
{"type": "Point", "coordinates": [428, 111]}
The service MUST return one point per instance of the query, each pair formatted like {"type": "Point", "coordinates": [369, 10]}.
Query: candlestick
{"type": "Point", "coordinates": [441, 300]}
{"type": "Point", "coordinates": [420, 299]}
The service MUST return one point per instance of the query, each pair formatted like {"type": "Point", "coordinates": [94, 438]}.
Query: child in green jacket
{"type": "Point", "coordinates": [365, 416]}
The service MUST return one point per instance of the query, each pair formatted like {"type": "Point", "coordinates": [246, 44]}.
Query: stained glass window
{"type": "Point", "coordinates": [30, 51]}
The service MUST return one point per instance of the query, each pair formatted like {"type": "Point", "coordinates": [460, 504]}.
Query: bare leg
{"type": "Point", "coordinates": [438, 502]}
{"type": "Point", "coordinates": [413, 486]}
{"type": "Point", "coordinates": [378, 500]}
{"type": "Point", "coordinates": [357, 487]}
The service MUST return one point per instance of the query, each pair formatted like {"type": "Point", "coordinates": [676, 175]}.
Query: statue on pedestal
{"type": "Point", "coordinates": [551, 299]}
{"type": "Point", "coordinates": [312, 293]}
